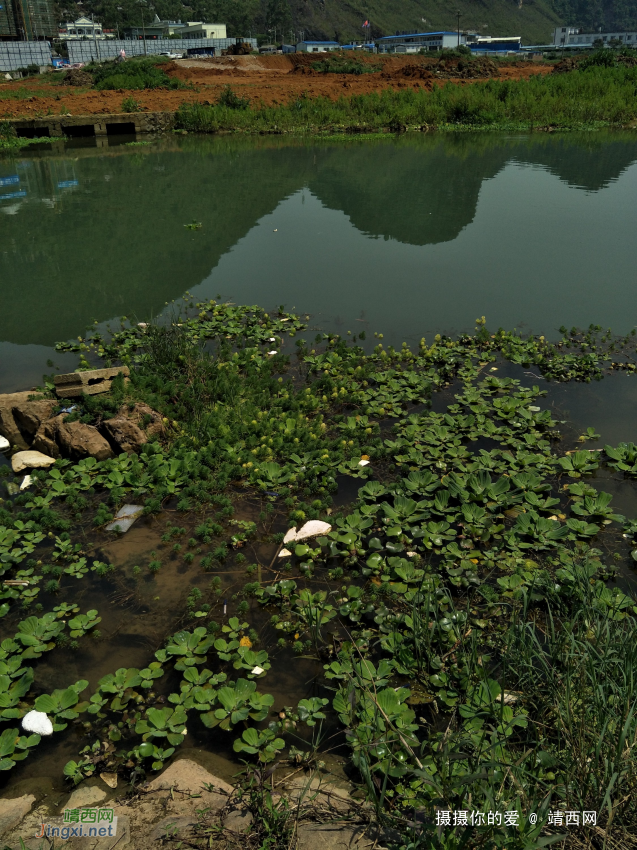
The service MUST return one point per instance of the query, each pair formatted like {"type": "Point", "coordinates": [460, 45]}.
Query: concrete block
{"type": "Point", "coordinates": [95, 381]}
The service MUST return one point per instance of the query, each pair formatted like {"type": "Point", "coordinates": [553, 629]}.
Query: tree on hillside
{"type": "Point", "coordinates": [278, 15]}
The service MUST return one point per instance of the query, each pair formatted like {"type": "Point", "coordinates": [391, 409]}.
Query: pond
{"type": "Point", "coordinates": [408, 237]}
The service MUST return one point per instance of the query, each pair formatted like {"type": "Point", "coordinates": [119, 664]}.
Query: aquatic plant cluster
{"type": "Point", "coordinates": [476, 654]}
{"type": "Point", "coordinates": [594, 96]}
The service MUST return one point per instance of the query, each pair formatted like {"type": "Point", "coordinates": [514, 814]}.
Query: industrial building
{"type": "Point", "coordinates": [317, 46]}
{"type": "Point", "coordinates": [413, 42]}
{"type": "Point", "coordinates": [157, 29]}
{"type": "Point", "coordinates": [485, 44]}
{"type": "Point", "coordinates": [27, 20]}
{"type": "Point", "coordinates": [577, 37]}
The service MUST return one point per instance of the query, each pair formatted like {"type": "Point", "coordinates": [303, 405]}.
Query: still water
{"type": "Point", "coordinates": [409, 236]}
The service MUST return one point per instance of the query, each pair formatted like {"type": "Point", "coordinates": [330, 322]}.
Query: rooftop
{"type": "Point", "coordinates": [413, 34]}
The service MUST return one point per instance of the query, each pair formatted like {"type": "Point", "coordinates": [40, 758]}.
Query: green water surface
{"type": "Point", "coordinates": [408, 236]}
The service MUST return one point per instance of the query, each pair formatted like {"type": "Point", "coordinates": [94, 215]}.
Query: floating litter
{"type": "Point", "coordinates": [125, 517]}
{"type": "Point", "coordinates": [272, 352]}
{"type": "Point", "coordinates": [285, 553]}
{"type": "Point", "coordinates": [363, 462]}
{"type": "Point", "coordinates": [38, 723]}
{"type": "Point", "coordinates": [256, 671]}
{"type": "Point", "coordinates": [290, 535]}
{"type": "Point", "coordinates": [27, 481]}
{"type": "Point", "coordinates": [5, 444]}
{"type": "Point", "coordinates": [312, 529]}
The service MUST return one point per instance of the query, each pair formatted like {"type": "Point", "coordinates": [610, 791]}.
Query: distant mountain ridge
{"type": "Point", "coordinates": [286, 20]}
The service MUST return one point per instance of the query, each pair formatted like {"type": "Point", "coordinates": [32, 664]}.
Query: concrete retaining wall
{"type": "Point", "coordinates": [19, 54]}
{"type": "Point", "coordinates": [89, 51]}
{"type": "Point", "coordinates": [58, 126]}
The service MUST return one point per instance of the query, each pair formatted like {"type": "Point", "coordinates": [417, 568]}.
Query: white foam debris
{"type": "Point", "coordinates": [38, 723]}
{"type": "Point", "coordinates": [313, 528]}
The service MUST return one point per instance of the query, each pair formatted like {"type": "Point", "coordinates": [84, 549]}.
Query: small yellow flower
{"type": "Point", "coordinates": [245, 641]}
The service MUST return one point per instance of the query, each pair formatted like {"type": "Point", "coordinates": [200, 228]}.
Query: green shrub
{"type": "Point", "coordinates": [595, 96]}
{"type": "Point", "coordinates": [135, 75]}
{"type": "Point", "coordinates": [129, 104]}
{"type": "Point", "coordinates": [231, 100]}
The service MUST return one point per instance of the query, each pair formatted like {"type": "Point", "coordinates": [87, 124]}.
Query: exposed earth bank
{"type": "Point", "coordinates": [265, 80]}
{"type": "Point", "coordinates": [187, 803]}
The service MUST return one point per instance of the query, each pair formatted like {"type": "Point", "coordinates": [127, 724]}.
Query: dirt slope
{"type": "Point", "coordinates": [266, 80]}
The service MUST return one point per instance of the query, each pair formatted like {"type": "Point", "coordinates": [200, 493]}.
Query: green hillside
{"type": "Point", "coordinates": [534, 20]}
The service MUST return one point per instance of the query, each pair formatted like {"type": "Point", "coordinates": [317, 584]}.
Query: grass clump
{"type": "Point", "coordinates": [9, 140]}
{"type": "Point", "coordinates": [344, 65]}
{"type": "Point", "coordinates": [594, 96]}
{"type": "Point", "coordinates": [136, 74]}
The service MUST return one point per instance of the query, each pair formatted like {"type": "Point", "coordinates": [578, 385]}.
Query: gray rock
{"type": "Point", "coordinates": [127, 436]}
{"type": "Point", "coordinates": [238, 821]}
{"type": "Point", "coordinates": [175, 828]}
{"type": "Point", "coordinates": [191, 778]}
{"type": "Point", "coordinates": [45, 439]}
{"type": "Point", "coordinates": [78, 441]}
{"type": "Point", "coordinates": [13, 811]}
{"type": "Point", "coordinates": [188, 776]}
{"type": "Point", "coordinates": [8, 427]}
{"type": "Point", "coordinates": [144, 417]}
{"type": "Point", "coordinates": [331, 836]}
{"type": "Point", "coordinates": [30, 460]}
{"type": "Point", "coordinates": [322, 789]}
{"type": "Point", "coordinates": [87, 795]}
{"type": "Point", "coordinates": [29, 415]}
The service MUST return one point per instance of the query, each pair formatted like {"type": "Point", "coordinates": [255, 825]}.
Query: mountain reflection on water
{"type": "Point", "coordinates": [96, 233]}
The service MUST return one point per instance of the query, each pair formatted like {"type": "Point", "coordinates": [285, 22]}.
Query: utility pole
{"type": "Point", "coordinates": [97, 49]}
{"type": "Point", "coordinates": [143, 28]}
{"type": "Point", "coordinates": [458, 14]}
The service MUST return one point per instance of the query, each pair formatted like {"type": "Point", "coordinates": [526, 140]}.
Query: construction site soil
{"type": "Point", "coordinates": [265, 80]}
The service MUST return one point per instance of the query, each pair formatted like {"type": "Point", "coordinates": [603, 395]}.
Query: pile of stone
{"type": "Point", "coordinates": [41, 437]}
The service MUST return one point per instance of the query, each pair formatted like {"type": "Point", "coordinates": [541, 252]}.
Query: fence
{"type": "Point", "coordinates": [91, 51]}
{"type": "Point", "coordinates": [19, 54]}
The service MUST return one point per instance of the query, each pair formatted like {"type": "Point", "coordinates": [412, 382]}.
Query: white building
{"type": "Point", "coordinates": [199, 29]}
{"type": "Point", "coordinates": [412, 42]}
{"type": "Point", "coordinates": [82, 28]}
{"type": "Point", "coordinates": [577, 37]}
{"type": "Point", "coordinates": [494, 44]}
{"type": "Point", "coordinates": [317, 46]}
